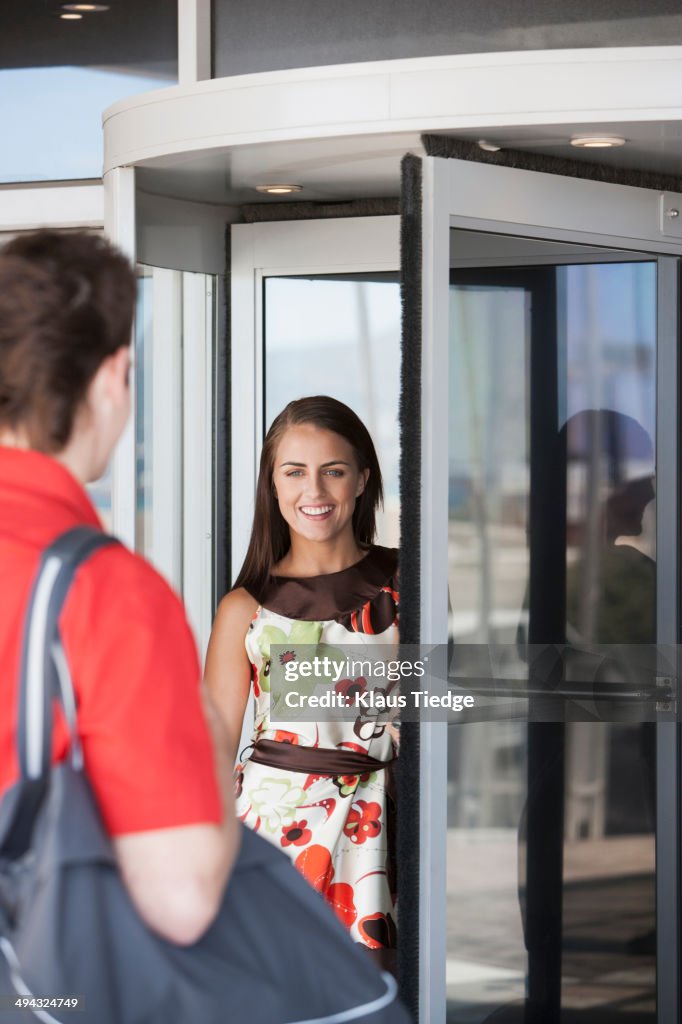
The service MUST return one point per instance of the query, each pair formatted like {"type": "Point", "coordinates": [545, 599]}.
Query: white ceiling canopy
{"type": "Point", "coordinates": [340, 131]}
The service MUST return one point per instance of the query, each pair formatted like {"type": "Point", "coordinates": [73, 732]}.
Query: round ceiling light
{"type": "Point", "coordinates": [279, 189]}
{"type": "Point", "coordinates": [89, 8]}
{"type": "Point", "coordinates": [597, 141]}
{"type": "Point", "coordinates": [71, 17]}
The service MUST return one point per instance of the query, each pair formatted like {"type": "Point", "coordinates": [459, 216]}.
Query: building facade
{"type": "Point", "coordinates": [260, 196]}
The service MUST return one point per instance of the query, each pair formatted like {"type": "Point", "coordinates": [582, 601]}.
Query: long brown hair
{"type": "Point", "coordinates": [270, 539]}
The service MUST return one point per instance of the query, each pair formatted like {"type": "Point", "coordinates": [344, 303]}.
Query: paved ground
{"type": "Point", "coordinates": [608, 962]}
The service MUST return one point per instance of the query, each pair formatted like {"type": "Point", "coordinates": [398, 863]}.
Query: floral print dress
{"type": "Point", "coordinates": [337, 829]}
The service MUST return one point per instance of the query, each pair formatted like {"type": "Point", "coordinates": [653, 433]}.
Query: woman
{"type": "Point", "coordinates": [318, 790]}
{"type": "Point", "coordinates": [66, 309]}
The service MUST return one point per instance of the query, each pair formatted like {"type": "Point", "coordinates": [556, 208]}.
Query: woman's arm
{"type": "Point", "coordinates": [228, 670]}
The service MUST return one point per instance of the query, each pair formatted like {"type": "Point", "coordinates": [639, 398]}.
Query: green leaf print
{"type": "Point", "coordinates": [300, 633]}
{"type": "Point", "coordinates": [276, 801]}
{"type": "Point", "coordinates": [305, 632]}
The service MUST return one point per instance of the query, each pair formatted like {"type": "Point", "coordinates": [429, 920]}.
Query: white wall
{"type": "Point", "coordinates": [180, 235]}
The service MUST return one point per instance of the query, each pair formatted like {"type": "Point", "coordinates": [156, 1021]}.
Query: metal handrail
{"type": "Point", "coordinates": [662, 692]}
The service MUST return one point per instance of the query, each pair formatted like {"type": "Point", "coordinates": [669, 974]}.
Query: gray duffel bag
{"type": "Point", "coordinates": [68, 930]}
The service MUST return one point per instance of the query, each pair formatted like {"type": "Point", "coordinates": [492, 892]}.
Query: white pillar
{"type": "Point", "coordinates": [194, 41]}
{"type": "Point", "coordinates": [119, 225]}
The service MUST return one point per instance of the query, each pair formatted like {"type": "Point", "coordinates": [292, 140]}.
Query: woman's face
{"type": "Point", "coordinates": [317, 481]}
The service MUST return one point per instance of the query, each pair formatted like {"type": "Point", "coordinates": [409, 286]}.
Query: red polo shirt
{"type": "Point", "coordinates": [133, 660]}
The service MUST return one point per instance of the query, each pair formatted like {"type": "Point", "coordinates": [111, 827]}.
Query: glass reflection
{"type": "Point", "coordinates": [596, 326]}
{"type": "Point", "coordinates": [53, 117]}
{"type": "Point", "coordinates": [144, 413]}
{"type": "Point", "coordinates": [100, 495]}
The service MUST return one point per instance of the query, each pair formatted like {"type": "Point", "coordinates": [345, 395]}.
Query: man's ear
{"type": "Point", "coordinates": [108, 389]}
{"type": "Point", "coordinates": [120, 367]}
{"type": "Point", "coordinates": [112, 375]}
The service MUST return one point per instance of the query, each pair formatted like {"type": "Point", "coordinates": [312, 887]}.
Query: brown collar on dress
{"type": "Point", "coordinates": [320, 598]}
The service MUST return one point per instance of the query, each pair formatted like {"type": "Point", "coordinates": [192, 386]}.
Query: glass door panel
{"type": "Point", "coordinates": [551, 539]}
{"type": "Point", "coordinates": [175, 339]}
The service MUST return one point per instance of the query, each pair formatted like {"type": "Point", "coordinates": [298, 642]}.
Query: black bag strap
{"type": "Point", "coordinates": [44, 674]}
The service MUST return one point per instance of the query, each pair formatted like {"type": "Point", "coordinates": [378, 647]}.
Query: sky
{"type": "Point", "coordinates": [51, 119]}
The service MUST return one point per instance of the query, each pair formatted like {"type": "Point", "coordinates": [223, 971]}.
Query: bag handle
{"type": "Point", "coordinates": [44, 673]}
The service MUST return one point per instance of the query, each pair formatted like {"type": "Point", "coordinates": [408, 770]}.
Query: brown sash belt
{"type": "Point", "coordinates": [314, 760]}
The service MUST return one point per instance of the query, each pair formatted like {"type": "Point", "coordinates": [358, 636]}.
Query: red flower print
{"type": "Point", "coordinates": [340, 898]}
{"type": "Point", "coordinates": [282, 736]}
{"type": "Point", "coordinates": [315, 864]}
{"type": "Point", "coordinates": [363, 822]}
{"type": "Point", "coordinates": [348, 784]}
{"type": "Point", "coordinates": [378, 930]}
{"type": "Point", "coordinates": [296, 834]}
{"type": "Point", "coordinates": [327, 806]}
{"type": "Point", "coordinates": [349, 687]}
{"type": "Point", "coordinates": [347, 745]}
{"type": "Point", "coordinates": [288, 656]}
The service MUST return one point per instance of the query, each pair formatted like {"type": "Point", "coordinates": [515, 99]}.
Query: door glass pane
{"type": "Point", "coordinates": [57, 77]}
{"type": "Point", "coordinates": [340, 336]}
{"type": "Point", "coordinates": [144, 420]}
{"type": "Point", "coordinates": [546, 353]}
{"type": "Point", "coordinates": [100, 495]}
{"type": "Point", "coordinates": [172, 337]}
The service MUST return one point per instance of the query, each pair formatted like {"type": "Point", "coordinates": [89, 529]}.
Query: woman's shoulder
{"type": "Point", "coordinates": [386, 559]}
{"type": "Point", "coordinates": [236, 609]}
{"type": "Point", "coordinates": [233, 617]}
{"type": "Point", "coordinates": [236, 612]}
{"type": "Point", "coordinates": [380, 567]}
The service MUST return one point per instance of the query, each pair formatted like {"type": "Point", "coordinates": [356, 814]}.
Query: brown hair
{"type": "Point", "coordinates": [66, 304]}
{"type": "Point", "coordinates": [270, 539]}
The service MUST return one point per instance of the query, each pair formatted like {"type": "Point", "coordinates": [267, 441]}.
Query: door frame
{"type": "Point", "coordinates": [283, 249]}
{"type": "Point", "coordinates": [530, 204]}
{"type": "Point", "coordinates": [183, 421]}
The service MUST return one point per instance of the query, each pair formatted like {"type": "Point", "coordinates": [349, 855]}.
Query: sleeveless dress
{"type": "Point", "coordinates": [316, 800]}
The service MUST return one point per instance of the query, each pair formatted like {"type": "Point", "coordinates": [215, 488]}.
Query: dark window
{"type": "Point", "coordinates": [263, 36]}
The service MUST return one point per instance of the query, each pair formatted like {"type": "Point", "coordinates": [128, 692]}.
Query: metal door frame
{"type": "Point", "coordinates": [536, 205]}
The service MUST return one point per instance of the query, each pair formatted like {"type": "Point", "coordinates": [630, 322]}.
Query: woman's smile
{"type": "Point", "coordinates": [316, 511]}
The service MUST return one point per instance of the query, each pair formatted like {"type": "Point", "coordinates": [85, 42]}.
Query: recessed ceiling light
{"type": "Point", "coordinates": [279, 189]}
{"type": "Point", "coordinates": [597, 141]}
{"type": "Point", "coordinates": [488, 147]}
{"type": "Point", "coordinates": [71, 17]}
{"type": "Point", "coordinates": [85, 7]}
